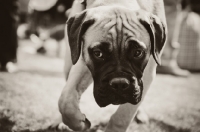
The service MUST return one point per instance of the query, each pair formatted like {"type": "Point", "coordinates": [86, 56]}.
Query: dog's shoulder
{"type": "Point", "coordinates": [154, 6]}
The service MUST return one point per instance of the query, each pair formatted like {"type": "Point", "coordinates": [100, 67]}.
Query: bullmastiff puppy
{"type": "Point", "coordinates": [116, 44]}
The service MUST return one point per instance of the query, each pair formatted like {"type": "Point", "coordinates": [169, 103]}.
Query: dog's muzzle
{"type": "Point", "coordinates": [118, 90]}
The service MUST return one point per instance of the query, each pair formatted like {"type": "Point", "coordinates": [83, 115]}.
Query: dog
{"type": "Point", "coordinates": [116, 44]}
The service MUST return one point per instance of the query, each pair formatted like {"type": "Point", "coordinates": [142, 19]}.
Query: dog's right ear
{"type": "Point", "coordinates": [76, 27]}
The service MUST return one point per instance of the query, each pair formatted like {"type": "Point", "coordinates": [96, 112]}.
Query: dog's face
{"type": "Point", "coordinates": [116, 56]}
{"type": "Point", "coordinates": [116, 45]}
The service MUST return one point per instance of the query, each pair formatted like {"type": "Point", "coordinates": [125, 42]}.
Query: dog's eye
{"type": "Point", "coordinates": [138, 53]}
{"type": "Point", "coordinates": [98, 53]}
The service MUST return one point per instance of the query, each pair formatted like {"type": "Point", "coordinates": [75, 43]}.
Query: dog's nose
{"type": "Point", "coordinates": [119, 83]}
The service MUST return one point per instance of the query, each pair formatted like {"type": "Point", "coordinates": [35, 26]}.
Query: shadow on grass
{"type": "Point", "coordinates": [6, 125]}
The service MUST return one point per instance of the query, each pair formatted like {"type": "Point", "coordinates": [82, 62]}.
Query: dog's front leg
{"type": "Point", "coordinates": [121, 119]}
{"type": "Point", "coordinates": [78, 80]}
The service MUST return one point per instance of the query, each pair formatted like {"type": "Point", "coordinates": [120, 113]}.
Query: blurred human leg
{"type": "Point", "coordinates": [174, 17]}
{"type": "Point", "coordinates": [8, 35]}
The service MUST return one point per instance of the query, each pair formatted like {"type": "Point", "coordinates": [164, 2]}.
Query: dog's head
{"type": "Point", "coordinates": [116, 44]}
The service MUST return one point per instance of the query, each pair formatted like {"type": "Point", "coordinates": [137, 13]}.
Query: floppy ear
{"type": "Point", "coordinates": [76, 27]}
{"type": "Point", "coordinates": [157, 32]}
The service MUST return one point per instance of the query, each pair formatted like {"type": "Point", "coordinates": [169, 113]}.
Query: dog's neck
{"type": "Point", "coordinates": [131, 4]}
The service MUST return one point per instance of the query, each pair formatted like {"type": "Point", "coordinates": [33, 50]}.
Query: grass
{"type": "Point", "coordinates": [28, 99]}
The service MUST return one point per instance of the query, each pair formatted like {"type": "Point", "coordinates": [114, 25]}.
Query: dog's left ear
{"type": "Point", "coordinates": [157, 32]}
{"type": "Point", "coordinates": [76, 27]}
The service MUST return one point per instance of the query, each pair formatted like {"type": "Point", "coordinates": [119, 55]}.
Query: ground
{"type": "Point", "coordinates": [28, 99]}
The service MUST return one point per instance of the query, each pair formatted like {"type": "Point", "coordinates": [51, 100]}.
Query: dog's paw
{"type": "Point", "coordinates": [142, 117]}
{"type": "Point", "coordinates": [58, 125]}
{"type": "Point", "coordinates": [94, 130]}
{"type": "Point", "coordinates": [99, 131]}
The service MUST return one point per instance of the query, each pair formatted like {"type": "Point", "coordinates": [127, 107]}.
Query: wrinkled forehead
{"type": "Point", "coordinates": [116, 27]}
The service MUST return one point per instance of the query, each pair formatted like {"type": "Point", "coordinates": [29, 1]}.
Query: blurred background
{"type": "Point", "coordinates": [32, 51]}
